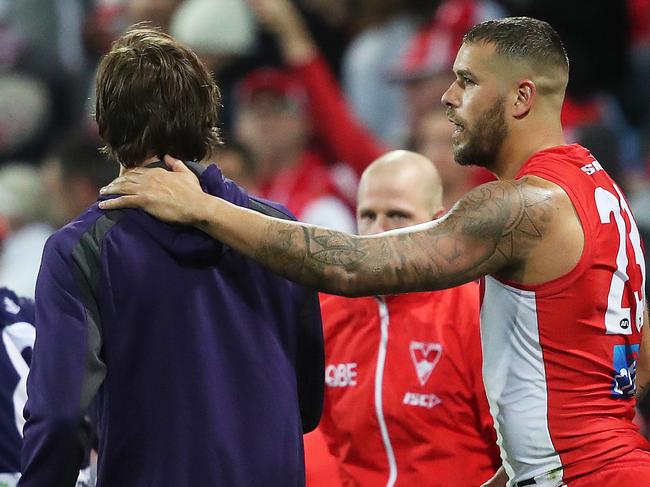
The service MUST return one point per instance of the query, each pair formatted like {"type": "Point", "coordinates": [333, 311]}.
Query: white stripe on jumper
{"type": "Point", "coordinates": [379, 383]}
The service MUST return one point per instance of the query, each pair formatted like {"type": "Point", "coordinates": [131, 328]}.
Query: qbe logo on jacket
{"type": "Point", "coordinates": [341, 375]}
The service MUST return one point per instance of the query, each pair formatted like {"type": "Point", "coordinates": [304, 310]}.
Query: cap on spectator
{"type": "Point", "coordinates": [427, 54]}
{"type": "Point", "coordinates": [274, 80]}
{"type": "Point", "coordinates": [433, 48]}
{"type": "Point", "coordinates": [222, 27]}
{"type": "Point", "coordinates": [25, 109]}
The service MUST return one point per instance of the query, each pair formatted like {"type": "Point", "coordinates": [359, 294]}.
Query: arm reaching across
{"type": "Point", "coordinates": [491, 228]}
{"type": "Point", "coordinates": [285, 22]}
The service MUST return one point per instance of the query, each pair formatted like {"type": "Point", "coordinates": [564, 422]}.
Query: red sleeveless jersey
{"type": "Point", "coordinates": [560, 357]}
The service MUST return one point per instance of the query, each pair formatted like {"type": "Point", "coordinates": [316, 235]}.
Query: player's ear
{"type": "Point", "coordinates": [525, 96]}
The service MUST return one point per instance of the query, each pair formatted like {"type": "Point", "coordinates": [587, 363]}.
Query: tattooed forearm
{"type": "Point", "coordinates": [333, 248]}
{"type": "Point", "coordinates": [487, 230]}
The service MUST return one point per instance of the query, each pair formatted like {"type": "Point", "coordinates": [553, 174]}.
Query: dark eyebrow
{"type": "Point", "coordinates": [464, 72]}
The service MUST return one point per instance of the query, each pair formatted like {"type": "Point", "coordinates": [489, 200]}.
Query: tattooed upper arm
{"type": "Point", "coordinates": [492, 227]}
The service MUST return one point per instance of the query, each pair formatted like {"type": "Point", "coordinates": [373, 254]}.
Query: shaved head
{"type": "Point", "coordinates": [399, 189]}
{"type": "Point", "coordinates": [531, 48]}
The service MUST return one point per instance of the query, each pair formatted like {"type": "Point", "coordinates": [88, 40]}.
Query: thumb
{"type": "Point", "coordinates": [176, 165]}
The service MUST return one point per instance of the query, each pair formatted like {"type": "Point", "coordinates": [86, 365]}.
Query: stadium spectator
{"type": "Point", "coordinates": [73, 173]}
{"type": "Point", "coordinates": [274, 124]}
{"type": "Point", "coordinates": [53, 50]}
{"type": "Point", "coordinates": [404, 371]}
{"type": "Point", "coordinates": [424, 69]}
{"type": "Point", "coordinates": [216, 31]}
{"type": "Point", "coordinates": [412, 42]}
{"type": "Point", "coordinates": [26, 227]}
{"type": "Point", "coordinates": [319, 132]}
{"type": "Point", "coordinates": [563, 309]}
{"type": "Point", "coordinates": [201, 367]}
{"type": "Point", "coordinates": [25, 113]}
{"type": "Point", "coordinates": [334, 124]}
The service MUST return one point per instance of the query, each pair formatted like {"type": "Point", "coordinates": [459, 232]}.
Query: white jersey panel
{"type": "Point", "coordinates": [515, 381]}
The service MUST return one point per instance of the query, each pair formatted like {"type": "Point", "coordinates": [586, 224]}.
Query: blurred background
{"type": "Point", "coordinates": [313, 91]}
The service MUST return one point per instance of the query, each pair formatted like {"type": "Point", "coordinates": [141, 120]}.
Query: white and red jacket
{"type": "Point", "coordinates": [405, 404]}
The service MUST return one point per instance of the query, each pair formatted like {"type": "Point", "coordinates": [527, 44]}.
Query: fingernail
{"type": "Point", "coordinates": [102, 204]}
{"type": "Point", "coordinates": [102, 190]}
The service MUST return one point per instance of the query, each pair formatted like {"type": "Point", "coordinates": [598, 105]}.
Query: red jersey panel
{"type": "Point", "coordinates": [560, 357]}
{"type": "Point", "coordinates": [405, 403]}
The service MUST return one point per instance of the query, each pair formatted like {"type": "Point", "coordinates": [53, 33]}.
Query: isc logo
{"type": "Point", "coordinates": [421, 400]}
{"type": "Point", "coordinates": [341, 375]}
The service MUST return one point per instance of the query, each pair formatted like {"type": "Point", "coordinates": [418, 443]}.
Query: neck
{"type": "Point", "coordinates": [124, 170]}
{"type": "Point", "coordinates": [521, 144]}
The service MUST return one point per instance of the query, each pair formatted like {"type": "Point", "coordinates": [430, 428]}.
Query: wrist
{"type": "Point", "coordinates": [205, 211]}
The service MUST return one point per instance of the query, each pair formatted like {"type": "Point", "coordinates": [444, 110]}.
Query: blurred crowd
{"type": "Point", "coordinates": [312, 92]}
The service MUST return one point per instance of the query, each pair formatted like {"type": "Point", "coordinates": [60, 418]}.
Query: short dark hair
{"type": "Point", "coordinates": [522, 38]}
{"type": "Point", "coordinates": [155, 97]}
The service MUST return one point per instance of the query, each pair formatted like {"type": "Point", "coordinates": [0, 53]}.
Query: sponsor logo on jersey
{"type": "Point", "coordinates": [341, 375]}
{"type": "Point", "coordinates": [11, 307]}
{"type": "Point", "coordinates": [425, 357]}
{"type": "Point", "coordinates": [624, 376]}
{"type": "Point", "coordinates": [421, 400]}
{"type": "Point", "coordinates": [592, 168]}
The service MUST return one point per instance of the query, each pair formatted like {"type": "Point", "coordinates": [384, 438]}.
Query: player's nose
{"type": "Point", "coordinates": [449, 98]}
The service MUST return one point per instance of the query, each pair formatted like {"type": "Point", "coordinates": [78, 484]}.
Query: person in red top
{"type": "Point", "coordinates": [564, 322]}
{"type": "Point", "coordinates": [274, 122]}
{"type": "Point", "coordinates": [405, 403]}
{"type": "Point", "coordinates": [309, 147]}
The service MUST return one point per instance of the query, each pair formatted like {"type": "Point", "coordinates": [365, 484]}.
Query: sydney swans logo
{"type": "Point", "coordinates": [425, 357]}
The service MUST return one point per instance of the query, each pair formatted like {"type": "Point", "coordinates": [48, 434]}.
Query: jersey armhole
{"type": "Point", "coordinates": [567, 279]}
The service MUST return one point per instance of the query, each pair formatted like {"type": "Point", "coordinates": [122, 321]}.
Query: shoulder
{"type": "Point", "coordinates": [501, 207]}
{"type": "Point", "coordinates": [87, 231]}
{"type": "Point", "coordinates": [270, 208]}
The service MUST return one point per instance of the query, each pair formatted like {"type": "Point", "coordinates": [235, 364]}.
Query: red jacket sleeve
{"type": "Point", "coordinates": [344, 136]}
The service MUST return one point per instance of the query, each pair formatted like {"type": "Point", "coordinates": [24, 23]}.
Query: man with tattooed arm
{"type": "Point", "coordinates": [553, 240]}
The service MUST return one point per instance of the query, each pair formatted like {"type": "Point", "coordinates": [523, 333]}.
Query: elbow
{"type": "Point", "coordinates": [344, 282]}
{"type": "Point", "coordinates": [57, 425]}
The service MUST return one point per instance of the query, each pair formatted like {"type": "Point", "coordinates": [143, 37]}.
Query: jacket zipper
{"type": "Point", "coordinates": [379, 383]}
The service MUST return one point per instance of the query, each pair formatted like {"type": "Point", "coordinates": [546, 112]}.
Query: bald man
{"type": "Point", "coordinates": [403, 372]}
